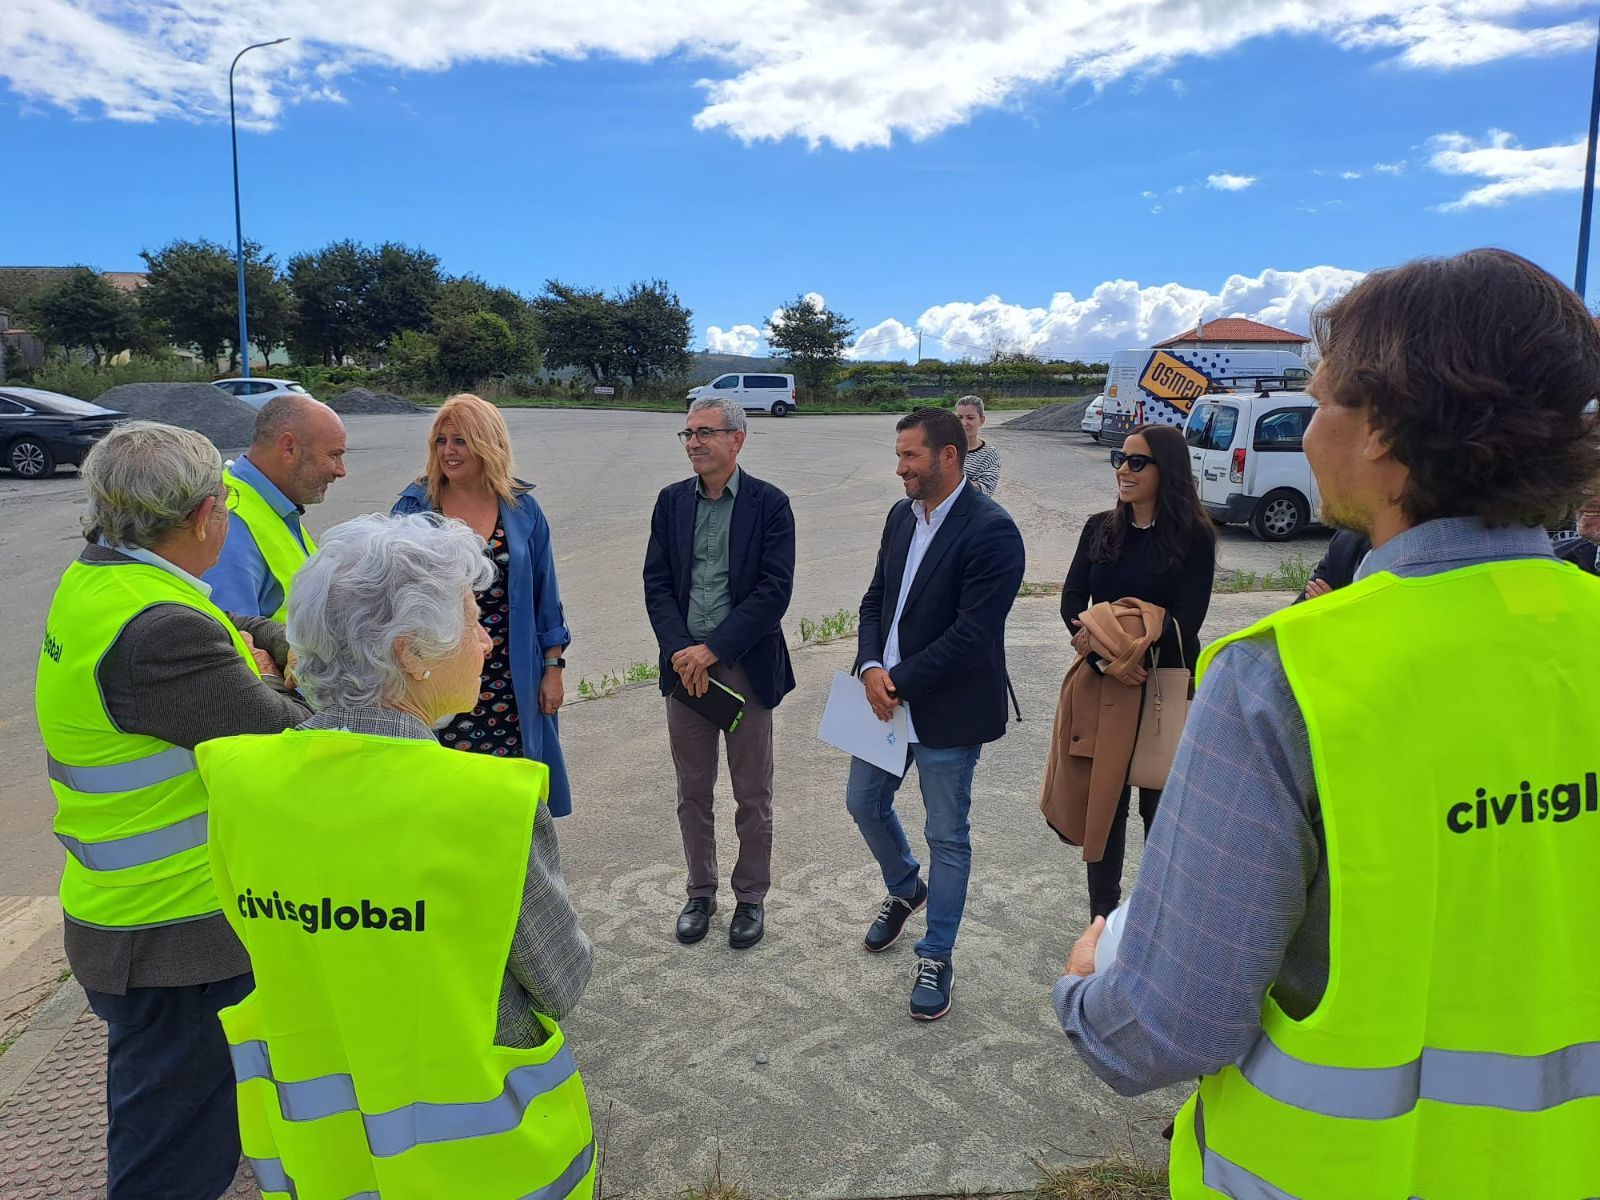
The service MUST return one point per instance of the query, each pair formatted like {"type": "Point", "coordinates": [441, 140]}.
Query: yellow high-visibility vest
{"type": "Point", "coordinates": [282, 553]}
{"type": "Point", "coordinates": [1454, 724]}
{"type": "Point", "coordinates": [376, 883]}
{"type": "Point", "coordinates": [130, 809]}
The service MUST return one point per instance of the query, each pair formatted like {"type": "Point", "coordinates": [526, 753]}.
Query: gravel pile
{"type": "Point", "coordinates": [227, 420]}
{"type": "Point", "coordinates": [359, 401]}
{"type": "Point", "coordinates": [1052, 418]}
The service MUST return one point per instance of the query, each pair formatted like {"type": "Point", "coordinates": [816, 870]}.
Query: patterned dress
{"type": "Point", "coordinates": [493, 727]}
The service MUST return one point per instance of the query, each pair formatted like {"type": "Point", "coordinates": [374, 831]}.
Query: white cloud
{"type": "Point", "coordinates": [1148, 195]}
{"type": "Point", "coordinates": [1350, 175]}
{"type": "Point", "coordinates": [1224, 182]}
{"type": "Point", "coordinates": [741, 339]}
{"type": "Point", "coordinates": [1515, 170]}
{"type": "Point", "coordinates": [1390, 168]}
{"type": "Point", "coordinates": [841, 71]}
{"type": "Point", "coordinates": [1116, 314]}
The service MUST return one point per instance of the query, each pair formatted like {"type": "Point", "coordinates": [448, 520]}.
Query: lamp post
{"type": "Point", "coordinates": [1581, 277]}
{"type": "Point", "coordinates": [238, 224]}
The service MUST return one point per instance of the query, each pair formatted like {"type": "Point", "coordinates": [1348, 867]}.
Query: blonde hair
{"type": "Point", "coordinates": [484, 430]}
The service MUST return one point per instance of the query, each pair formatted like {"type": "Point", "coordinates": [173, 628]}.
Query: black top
{"type": "Point", "coordinates": [493, 727]}
{"type": "Point", "coordinates": [1185, 594]}
{"type": "Point", "coordinates": [1338, 566]}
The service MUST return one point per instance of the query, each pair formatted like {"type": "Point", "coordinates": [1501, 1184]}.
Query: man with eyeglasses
{"type": "Point", "coordinates": [718, 577]}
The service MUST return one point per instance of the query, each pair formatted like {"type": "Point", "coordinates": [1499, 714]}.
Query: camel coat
{"type": "Point", "coordinates": [1097, 722]}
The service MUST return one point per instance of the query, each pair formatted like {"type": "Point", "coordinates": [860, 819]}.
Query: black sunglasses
{"type": "Point", "coordinates": [1136, 462]}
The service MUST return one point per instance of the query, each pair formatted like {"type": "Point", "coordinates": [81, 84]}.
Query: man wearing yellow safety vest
{"type": "Point", "coordinates": [403, 904]}
{"type": "Point", "coordinates": [138, 666]}
{"type": "Point", "coordinates": [297, 450]}
{"type": "Point", "coordinates": [1365, 919]}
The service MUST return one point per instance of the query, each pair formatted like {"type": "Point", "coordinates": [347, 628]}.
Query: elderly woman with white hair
{"type": "Point", "coordinates": [403, 904]}
{"type": "Point", "coordinates": [139, 667]}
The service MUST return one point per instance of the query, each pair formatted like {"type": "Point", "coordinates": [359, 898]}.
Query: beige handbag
{"type": "Point", "coordinates": [1164, 709]}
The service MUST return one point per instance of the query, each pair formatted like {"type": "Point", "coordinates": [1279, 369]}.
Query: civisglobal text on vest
{"type": "Point", "coordinates": [325, 914]}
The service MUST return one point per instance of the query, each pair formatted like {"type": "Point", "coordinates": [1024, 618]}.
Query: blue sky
{"type": "Point", "coordinates": [593, 169]}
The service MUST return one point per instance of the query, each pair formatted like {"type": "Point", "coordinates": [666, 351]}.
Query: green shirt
{"type": "Point", "coordinates": [710, 600]}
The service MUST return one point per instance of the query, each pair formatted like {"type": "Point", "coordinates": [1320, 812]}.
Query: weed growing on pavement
{"type": "Point", "coordinates": [1290, 575]}
{"type": "Point", "coordinates": [717, 1188]}
{"type": "Point", "coordinates": [1029, 588]}
{"type": "Point", "coordinates": [1120, 1177]}
{"type": "Point", "coordinates": [828, 629]}
{"type": "Point", "coordinates": [612, 682]}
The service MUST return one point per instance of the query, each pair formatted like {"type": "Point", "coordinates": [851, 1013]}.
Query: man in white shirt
{"type": "Point", "coordinates": [932, 637]}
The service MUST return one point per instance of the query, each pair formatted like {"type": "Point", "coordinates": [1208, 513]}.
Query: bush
{"type": "Point", "coordinates": [86, 383]}
{"type": "Point", "coordinates": [877, 392]}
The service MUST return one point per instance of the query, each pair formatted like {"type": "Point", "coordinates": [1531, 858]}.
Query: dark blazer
{"type": "Point", "coordinates": [952, 670]}
{"type": "Point", "coordinates": [1338, 566]}
{"type": "Point", "coordinates": [1578, 551]}
{"type": "Point", "coordinates": [760, 576]}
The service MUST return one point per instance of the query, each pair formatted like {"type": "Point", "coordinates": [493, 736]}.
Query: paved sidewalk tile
{"type": "Point", "coordinates": [53, 1130]}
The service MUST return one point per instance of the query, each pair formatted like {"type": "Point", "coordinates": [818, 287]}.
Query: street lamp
{"type": "Point", "coordinates": [238, 225]}
{"type": "Point", "coordinates": [1582, 276]}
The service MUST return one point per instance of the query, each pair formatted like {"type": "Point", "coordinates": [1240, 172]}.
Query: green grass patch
{"type": "Point", "coordinates": [1290, 575]}
{"type": "Point", "coordinates": [1029, 588]}
{"type": "Point", "coordinates": [1120, 1177]}
{"type": "Point", "coordinates": [612, 682]}
{"type": "Point", "coordinates": [827, 629]}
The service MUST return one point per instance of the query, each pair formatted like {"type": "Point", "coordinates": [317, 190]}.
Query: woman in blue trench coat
{"type": "Point", "coordinates": [468, 478]}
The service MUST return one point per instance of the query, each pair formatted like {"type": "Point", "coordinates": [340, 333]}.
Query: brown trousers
{"type": "Point", "coordinates": [694, 757]}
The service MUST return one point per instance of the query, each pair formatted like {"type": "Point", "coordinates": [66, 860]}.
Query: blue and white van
{"type": "Point", "coordinates": [1151, 386]}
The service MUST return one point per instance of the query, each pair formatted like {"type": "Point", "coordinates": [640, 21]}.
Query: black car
{"type": "Point", "coordinates": [40, 429]}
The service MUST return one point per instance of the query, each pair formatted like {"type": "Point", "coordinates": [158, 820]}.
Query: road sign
{"type": "Point", "coordinates": [605, 391]}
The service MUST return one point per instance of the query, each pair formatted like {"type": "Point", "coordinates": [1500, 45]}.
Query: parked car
{"type": "Point", "coordinates": [256, 391]}
{"type": "Point", "coordinates": [773, 394]}
{"type": "Point", "coordinates": [1249, 464]}
{"type": "Point", "coordinates": [39, 430]}
{"type": "Point", "coordinates": [1162, 385]}
{"type": "Point", "coordinates": [1094, 417]}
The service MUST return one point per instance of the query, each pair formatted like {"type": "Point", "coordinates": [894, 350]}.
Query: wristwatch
{"type": "Point", "coordinates": [555, 662]}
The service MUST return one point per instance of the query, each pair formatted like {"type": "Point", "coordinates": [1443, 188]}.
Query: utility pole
{"type": "Point", "coordinates": [238, 224]}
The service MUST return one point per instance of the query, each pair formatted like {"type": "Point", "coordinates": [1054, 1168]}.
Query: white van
{"type": "Point", "coordinates": [1161, 386]}
{"type": "Point", "coordinates": [757, 393]}
{"type": "Point", "coordinates": [1248, 462]}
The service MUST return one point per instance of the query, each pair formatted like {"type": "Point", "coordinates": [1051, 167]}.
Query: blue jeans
{"type": "Point", "coordinates": [945, 777]}
{"type": "Point", "coordinates": [173, 1130]}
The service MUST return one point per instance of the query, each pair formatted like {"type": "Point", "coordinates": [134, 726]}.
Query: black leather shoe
{"type": "Point", "coordinates": [695, 919]}
{"type": "Point", "coordinates": [892, 918]}
{"type": "Point", "coordinates": [747, 926]}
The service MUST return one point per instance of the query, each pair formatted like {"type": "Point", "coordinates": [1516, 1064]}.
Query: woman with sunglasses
{"type": "Point", "coordinates": [1156, 545]}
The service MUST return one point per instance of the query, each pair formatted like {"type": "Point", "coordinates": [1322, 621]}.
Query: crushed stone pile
{"type": "Point", "coordinates": [1052, 418]}
{"type": "Point", "coordinates": [227, 420]}
{"type": "Point", "coordinates": [358, 401]}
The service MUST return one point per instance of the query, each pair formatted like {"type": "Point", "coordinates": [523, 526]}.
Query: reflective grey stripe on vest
{"type": "Point", "coordinates": [401, 1129]}
{"type": "Point", "coordinates": [171, 763]}
{"type": "Point", "coordinates": [1229, 1177]}
{"type": "Point", "coordinates": [139, 849]}
{"type": "Point", "coordinates": [1480, 1079]}
{"type": "Point", "coordinates": [563, 1184]}
{"type": "Point", "coordinates": [271, 1177]}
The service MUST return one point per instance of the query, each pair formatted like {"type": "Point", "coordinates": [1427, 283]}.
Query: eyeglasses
{"type": "Point", "coordinates": [704, 434]}
{"type": "Point", "coordinates": [1136, 462]}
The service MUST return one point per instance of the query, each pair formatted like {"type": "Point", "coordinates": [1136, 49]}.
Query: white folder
{"type": "Point", "coordinates": [849, 724]}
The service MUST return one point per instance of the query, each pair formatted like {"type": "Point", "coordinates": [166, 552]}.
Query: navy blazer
{"type": "Point", "coordinates": [952, 669]}
{"type": "Point", "coordinates": [760, 578]}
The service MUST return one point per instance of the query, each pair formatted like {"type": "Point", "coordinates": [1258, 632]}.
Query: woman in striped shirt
{"type": "Point", "coordinates": [983, 462]}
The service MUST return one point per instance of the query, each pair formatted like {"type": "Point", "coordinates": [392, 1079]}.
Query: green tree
{"type": "Point", "coordinates": [813, 339]}
{"type": "Point", "coordinates": [653, 330]}
{"type": "Point", "coordinates": [474, 347]}
{"type": "Point", "coordinates": [405, 288]}
{"type": "Point", "coordinates": [467, 294]}
{"type": "Point", "coordinates": [414, 358]}
{"type": "Point", "coordinates": [83, 311]}
{"type": "Point", "coordinates": [331, 289]}
{"type": "Point", "coordinates": [581, 329]}
{"type": "Point", "coordinates": [191, 295]}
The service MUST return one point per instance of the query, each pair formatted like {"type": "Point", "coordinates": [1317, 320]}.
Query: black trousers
{"type": "Point", "coordinates": [1105, 876]}
{"type": "Point", "coordinates": [173, 1125]}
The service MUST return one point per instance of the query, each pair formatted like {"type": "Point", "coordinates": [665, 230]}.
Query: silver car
{"type": "Point", "coordinates": [256, 391]}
